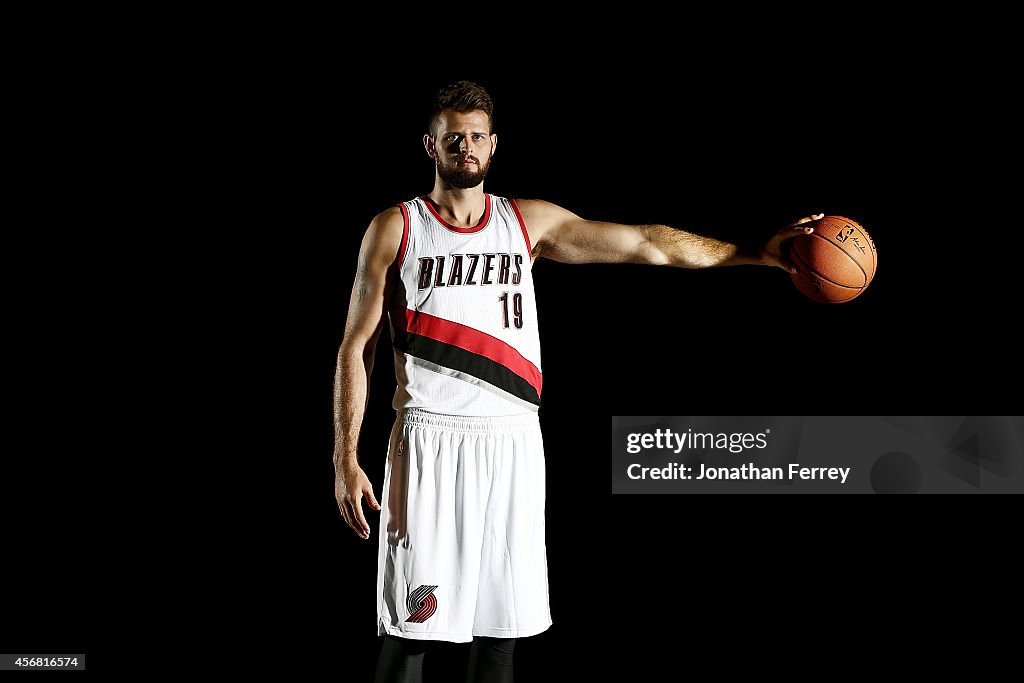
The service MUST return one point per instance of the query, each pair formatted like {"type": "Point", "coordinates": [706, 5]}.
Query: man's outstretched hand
{"type": "Point", "coordinates": [771, 253]}
{"type": "Point", "coordinates": [350, 487]}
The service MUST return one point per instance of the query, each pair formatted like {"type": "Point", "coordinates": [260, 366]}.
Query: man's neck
{"type": "Point", "coordinates": [461, 208]}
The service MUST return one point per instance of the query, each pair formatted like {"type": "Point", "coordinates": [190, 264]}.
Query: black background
{"type": "Point", "coordinates": [300, 144]}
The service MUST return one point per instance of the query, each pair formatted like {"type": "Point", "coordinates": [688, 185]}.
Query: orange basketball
{"type": "Point", "coordinates": [836, 262]}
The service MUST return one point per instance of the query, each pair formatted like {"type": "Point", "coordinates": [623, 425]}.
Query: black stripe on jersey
{"type": "Point", "coordinates": [470, 363]}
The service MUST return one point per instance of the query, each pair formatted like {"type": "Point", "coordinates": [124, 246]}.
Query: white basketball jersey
{"type": "Point", "coordinates": [464, 318]}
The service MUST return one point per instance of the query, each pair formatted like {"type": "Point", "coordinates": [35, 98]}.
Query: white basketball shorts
{"type": "Point", "coordinates": [462, 549]}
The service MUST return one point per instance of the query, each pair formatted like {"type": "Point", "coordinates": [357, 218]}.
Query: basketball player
{"type": "Point", "coordinates": [462, 552]}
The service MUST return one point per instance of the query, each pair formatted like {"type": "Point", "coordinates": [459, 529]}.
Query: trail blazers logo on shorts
{"type": "Point", "coordinates": [422, 604]}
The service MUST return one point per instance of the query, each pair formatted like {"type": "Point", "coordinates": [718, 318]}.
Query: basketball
{"type": "Point", "coordinates": [836, 262]}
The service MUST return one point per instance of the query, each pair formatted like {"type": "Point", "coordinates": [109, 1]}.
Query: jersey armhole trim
{"type": "Point", "coordinates": [405, 234]}
{"type": "Point", "coordinates": [522, 224]}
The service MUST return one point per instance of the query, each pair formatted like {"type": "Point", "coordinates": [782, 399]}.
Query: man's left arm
{"type": "Point", "coordinates": [560, 235]}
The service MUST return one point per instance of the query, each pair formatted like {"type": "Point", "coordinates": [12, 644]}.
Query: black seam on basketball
{"type": "Point", "coordinates": [866, 282]}
{"type": "Point", "coordinates": [795, 253]}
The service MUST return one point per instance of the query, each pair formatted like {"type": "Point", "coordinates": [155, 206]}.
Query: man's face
{"type": "Point", "coordinates": [462, 147]}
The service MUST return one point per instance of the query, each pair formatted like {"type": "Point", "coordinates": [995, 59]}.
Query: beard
{"type": "Point", "coordinates": [460, 177]}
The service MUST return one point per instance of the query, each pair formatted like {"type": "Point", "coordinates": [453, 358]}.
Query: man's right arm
{"type": "Point", "coordinates": [371, 294]}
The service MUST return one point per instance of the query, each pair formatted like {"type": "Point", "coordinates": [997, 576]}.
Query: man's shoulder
{"type": "Point", "coordinates": [389, 219]}
{"type": "Point", "coordinates": [384, 234]}
{"type": "Point", "coordinates": [539, 213]}
{"type": "Point", "coordinates": [536, 205]}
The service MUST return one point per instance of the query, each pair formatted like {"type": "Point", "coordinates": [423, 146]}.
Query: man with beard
{"type": "Point", "coordinates": [461, 553]}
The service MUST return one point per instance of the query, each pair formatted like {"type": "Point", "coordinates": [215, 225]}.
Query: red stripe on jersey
{"type": "Point", "coordinates": [475, 341]}
{"type": "Point", "coordinates": [479, 226]}
{"type": "Point", "coordinates": [522, 224]}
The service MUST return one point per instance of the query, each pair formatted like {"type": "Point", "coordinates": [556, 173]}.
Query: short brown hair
{"type": "Point", "coordinates": [462, 96]}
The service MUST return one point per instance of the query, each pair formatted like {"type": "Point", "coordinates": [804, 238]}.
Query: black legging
{"type": "Point", "coordinates": [490, 660]}
{"type": "Point", "coordinates": [401, 660]}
